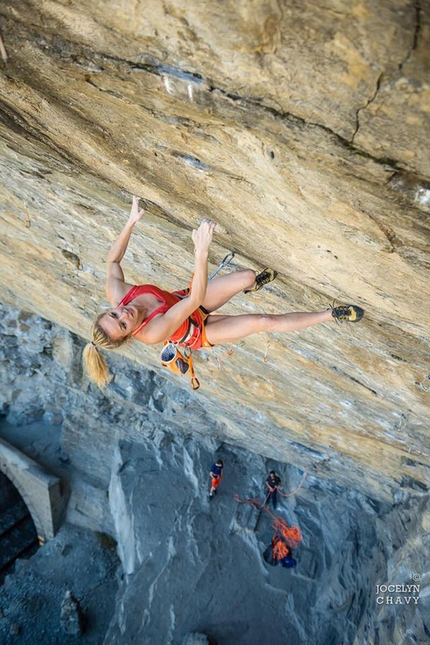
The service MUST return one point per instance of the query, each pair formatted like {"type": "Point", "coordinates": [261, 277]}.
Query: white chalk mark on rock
{"type": "Point", "coordinates": [168, 85]}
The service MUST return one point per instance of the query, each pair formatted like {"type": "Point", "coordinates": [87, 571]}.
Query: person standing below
{"type": "Point", "coordinates": [272, 483]}
{"type": "Point", "coordinates": [216, 476]}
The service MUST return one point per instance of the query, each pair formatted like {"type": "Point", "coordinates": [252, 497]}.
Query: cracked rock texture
{"type": "Point", "coordinates": [303, 129]}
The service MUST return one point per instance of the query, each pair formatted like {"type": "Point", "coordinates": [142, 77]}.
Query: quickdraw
{"type": "Point", "coordinates": [225, 262]}
{"type": "Point", "coordinates": [421, 383]}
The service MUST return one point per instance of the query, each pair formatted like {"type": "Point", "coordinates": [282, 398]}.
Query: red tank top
{"type": "Point", "coordinates": [188, 333]}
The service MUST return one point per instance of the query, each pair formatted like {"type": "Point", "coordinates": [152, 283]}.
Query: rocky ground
{"type": "Point", "coordinates": [76, 560]}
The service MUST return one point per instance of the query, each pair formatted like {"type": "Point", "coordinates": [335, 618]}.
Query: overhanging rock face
{"type": "Point", "coordinates": [40, 490]}
{"type": "Point", "coordinates": [304, 132]}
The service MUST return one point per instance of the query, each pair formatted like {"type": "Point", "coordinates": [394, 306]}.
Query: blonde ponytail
{"type": "Point", "coordinates": [96, 365]}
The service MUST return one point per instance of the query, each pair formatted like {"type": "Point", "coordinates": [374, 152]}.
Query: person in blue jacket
{"type": "Point", "coordinates": [216, 476]}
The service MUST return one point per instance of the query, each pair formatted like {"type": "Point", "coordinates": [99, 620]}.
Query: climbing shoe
{"type": "Point", "coordinates": [262, 278]}
{"type": "Point", "coordinates": [351, 313]}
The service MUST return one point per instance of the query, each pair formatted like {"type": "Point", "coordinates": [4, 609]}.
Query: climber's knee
{"type": "Point", "coordinates": [267, 322]}
{"type": "Point", "coordinates": [247, 277]}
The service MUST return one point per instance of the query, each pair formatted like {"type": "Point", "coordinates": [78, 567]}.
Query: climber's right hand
{"type": "Point", "coordinates": [202, 237]}
{"type": "Point", "coordinates": [136, 213]}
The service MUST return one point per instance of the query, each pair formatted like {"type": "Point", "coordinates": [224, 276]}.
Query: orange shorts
{"type": "Point", "coordinates": [215, 482]}
{"type": "Point", "coordinates": [196, 337]}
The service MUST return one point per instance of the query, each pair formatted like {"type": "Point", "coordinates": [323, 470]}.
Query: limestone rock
{"type": "Point", "coordinates": [14, 629]}
{"type": "Point", "coordinates": [198, 566]}
{"type": "Point", "coordinates": [196, 639]}
{"type": "Point", "coordinates": [189, 564]}
{"type": "Point", "coordinates": [303, 130]}
{"type": "Point", "coordinates": [71, 618]}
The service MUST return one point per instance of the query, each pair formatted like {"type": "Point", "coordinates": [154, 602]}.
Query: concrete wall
{"type": "Point", "coordinates": [40, 490]}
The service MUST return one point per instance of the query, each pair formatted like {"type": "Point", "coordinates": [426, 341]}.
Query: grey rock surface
{"type": "Point", "coordinates": [32, 597]}
{"type": "Point", "coordinates": [138, 463]}
{"type": "Point", "coordinates": [71, 617]}
{"type": "Point", "coordinates": [197, 565]}
{"type": "Point", "coordinates": [196, 639]}
{"type": "Point", "coordinates": [38, 386]}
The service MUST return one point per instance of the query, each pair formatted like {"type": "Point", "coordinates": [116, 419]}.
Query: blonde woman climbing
{"type": "Point", "coordinates": [186, 317]}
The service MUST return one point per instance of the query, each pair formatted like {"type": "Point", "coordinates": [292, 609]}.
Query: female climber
{"type": "Point", "coordinates": [150, 315]}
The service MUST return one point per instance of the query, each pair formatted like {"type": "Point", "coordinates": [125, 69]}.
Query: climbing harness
{"type": "Point", "coordinates": [180, 362]}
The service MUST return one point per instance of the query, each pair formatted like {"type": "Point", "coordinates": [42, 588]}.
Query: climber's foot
{"type": "Point", "coordinates": [350, 313]}
{"type": "Point", "coordinates": [261, 279]}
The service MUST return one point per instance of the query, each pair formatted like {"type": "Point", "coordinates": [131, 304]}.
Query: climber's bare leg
{"type": "Point", "coordinates": [220, 290]}
{"type": "Point", "coordinates": [221, 329]}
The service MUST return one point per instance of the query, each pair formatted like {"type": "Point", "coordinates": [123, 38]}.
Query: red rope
{"type": "Point", "coordinates": [283, 534]}
{"type": "Point", "coordinates": [297, 488]}
{"type": "Point", "coordinates": [255, 502]}
{"type": "Point", "coordinates": [289, 534]}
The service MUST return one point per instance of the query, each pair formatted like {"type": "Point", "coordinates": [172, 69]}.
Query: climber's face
{"type": "Point", "coordinates": [120, 322]}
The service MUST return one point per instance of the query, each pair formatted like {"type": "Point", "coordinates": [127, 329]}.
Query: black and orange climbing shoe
{"type": "Point", "coordinates": [350, 313]}
{"type": "Point", "coordinates": [262, 278]}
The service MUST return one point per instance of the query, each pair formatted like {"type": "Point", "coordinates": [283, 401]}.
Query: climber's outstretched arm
{"type": "Point", "coordinates": [116, 287]}
{"type": "Point", "coordinates": [162, 327]}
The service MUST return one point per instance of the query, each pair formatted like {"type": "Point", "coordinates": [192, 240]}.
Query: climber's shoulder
{"type": "Point", "coordinates": [116, 287]}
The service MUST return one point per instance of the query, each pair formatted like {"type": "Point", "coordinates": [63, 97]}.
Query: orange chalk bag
{"type": "Point", "coordinates": [179, 362]}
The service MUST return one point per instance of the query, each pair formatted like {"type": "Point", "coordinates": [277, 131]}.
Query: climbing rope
{"type": "Point", "coordinates": [297, 488]}
{"type": "Point", "coordinates": [284, 537]}
{"type": "Point", "coordinates": [289, 534]}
